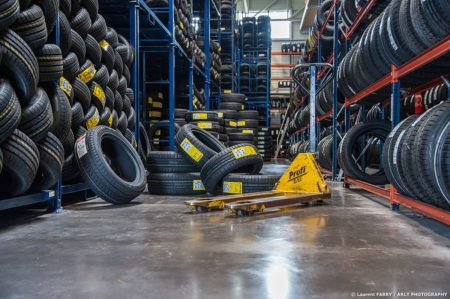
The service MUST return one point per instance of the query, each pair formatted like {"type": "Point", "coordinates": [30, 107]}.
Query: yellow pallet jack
{"type": "Point", "coordinates": [301, 183]}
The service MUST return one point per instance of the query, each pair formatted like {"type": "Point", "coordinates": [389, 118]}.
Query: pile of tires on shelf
{"type": "Point", "coordinates": [52, 95]}
{"type": "Point", "coordinates": [419, 103]}
{"type": "Point", "coordinates": [402, 31]}
{"type": "Point", "coordinates": [416, 156]}
{"type": "Point", "coordinates": [348, 13]}
{"type": "Point", "coordinates": [216, 62]}
{"type": "Point", "coordinates": [226, 26]}
{"type": "Point", "coordinates": [292, 47]}
{"type": "Point", "coordinates": [413, 157]}
{"type": "Point", "coordinates": [201, 164]}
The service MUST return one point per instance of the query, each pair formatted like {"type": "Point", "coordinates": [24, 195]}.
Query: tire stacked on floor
{"type": "Point", "coordinates": [42, 118]}
{"type": "Point", "coordinates": [229, 120]}
{"type": "Point", "coordinates": [416, 156]}
{"type": "Point", "coordinates": [170, 173]}
{"type": "Point", "coordinates": [228, 170]}
{"type": "Point", "coordinates": [209, 121]}
{"type": "Point", "coordinates": [264, 143]}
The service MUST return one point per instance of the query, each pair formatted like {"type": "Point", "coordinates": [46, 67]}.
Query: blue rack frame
{"type": "Point", "coordinates": [227, 36]}
{"type": "Point", "coordinates": [253, 97]}
{"type": "Point", "coordinates": [168, 44]}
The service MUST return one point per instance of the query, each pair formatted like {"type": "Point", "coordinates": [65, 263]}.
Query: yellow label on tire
{"type": "Point", "coordinates": [100, 94]}
{"type": "Point", "coordinates": [158, 133]}
{"type": "Point", "coordinates": [232, 187]}
{"type": "Point", "coordinates": [157, 105]}
{"type": "Point", "coordinates": [243, 107]}
{"type": "Point", "coordinates": [191, 150]}
{"type": "Point", "coordinates": [199, 116]}
{"type": "Point", "coordinates": [156, 141]}
{"type": "Point", "coordinates": [87, 75]}
{"type": "Point", "coordinates": [247, 131]}
{"type": "Point", "coordinates": [104, 44]}
{"type": "Point", "coordinates": [181, 25]}
{"type": "Point", "coordinates": [227, 91]}
{"type": "Point", "coordinates": [241, 123]}
{"type": "Point", "coordinates": [150, 100]}
{"type": "Point", "coordinates": [232, 124]}
{"type": "Point", "coordinates": [220, 114]}
{"type": "Point", "coordinates": [65, 86]}
{"type": "Point", "coordinates": [110, 121]}
{"type": "Point", "coordinates": [93, 121]}
{"type": "Point", "coordinates": [243, 151]}
{"type": "Point", "coordinates": [205, 125]}
{"type": "Point", "coordinates": [155, 113]}
{"type": "Point", "coordinates": [194, 100]}
{"type": "Point", "coordinates": [197, 185]}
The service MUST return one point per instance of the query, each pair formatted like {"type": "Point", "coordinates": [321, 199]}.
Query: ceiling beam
{"type": "Point", "coordinates": [245, 6]}
{"type": "Point", "coordinates": [267, 7]}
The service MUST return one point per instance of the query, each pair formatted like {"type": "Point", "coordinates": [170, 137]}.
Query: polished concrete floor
{"type": "Point", "coordinates": [155, 248]}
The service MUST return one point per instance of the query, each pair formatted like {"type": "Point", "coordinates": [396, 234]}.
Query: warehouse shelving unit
{"type": "Point", "coordinates": [228, 37]}
{"type": "Point", "coordinates": [152, 35]}
{"type": "Point", "coordinates": [334, 114]}
{"type": "Point", "coordinates": [256, 100]}
{"type": "Point", "coordinates": [392, 81]}
{"type": "Point", "coordinates": [388, 84]}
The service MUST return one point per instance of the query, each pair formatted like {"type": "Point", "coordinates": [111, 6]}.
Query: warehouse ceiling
{"type": "Point", "coordinates": [302, 11]}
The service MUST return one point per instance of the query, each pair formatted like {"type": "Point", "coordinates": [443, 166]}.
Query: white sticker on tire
{"type": "Point", "coordinates": [81, 146]}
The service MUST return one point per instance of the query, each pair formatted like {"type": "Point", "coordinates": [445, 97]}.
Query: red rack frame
{"type": "Point", "coordinates": [419, 61]}
{"type": "Point", "coordinates": [396, 198]}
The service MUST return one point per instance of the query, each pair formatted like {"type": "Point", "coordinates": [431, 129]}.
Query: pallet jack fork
{"type": "Point", "coordinates": [301, 183]}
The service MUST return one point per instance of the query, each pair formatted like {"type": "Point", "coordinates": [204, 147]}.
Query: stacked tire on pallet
{"type": "Point", "coordinates": [209, 121]}
{"type": "Point", "coordinates": [56, 93]}
{"type": "Point", "coordinates": [225, 170]}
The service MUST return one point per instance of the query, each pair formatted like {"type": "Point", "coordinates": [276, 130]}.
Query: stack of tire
{"type": "Point", "coordinates": [184, 30]}
{"type": "Point", "coordinates": [170, 173]}
{"type": "Point", "coordinates": [299, 147]}
{"type": "Point", "coordinates": [248, 33]}
{"type": "Point", "coordinates": [263, 36]}
{"type": "Point", "coordinates": [216, 62]}
{"type": "Point", "coordinates": [227, 76]}
{"type": "Point", "coordinates": [222, 170]}
{"type": "Point", "coordinates": [402, 31]}
{"type": "Point", "coordinates": [55, 93]}
{"type": "Point", "coordinates": [155, 105]}
{"type": "Point", "coordinates": [325, 152]}
{"type": "Point", "coordinates": [359, 154]}
{"type": "Point", "coordinates": [246, 129]}
{"type": "Point", "coordinates": [208, 121]}
{"type": "Point", "coordinates": [264, 143]}
{"type": "Point", "coordinates": [97, 59]}
{"type": "Point", "coordinates": [262, 84]}
{"type": "Point", "coordinates": [246, 77]}
{"type": "Point", "coordinates": [416, 156]}
{"type": "Point", "coordinates": [292, 47]}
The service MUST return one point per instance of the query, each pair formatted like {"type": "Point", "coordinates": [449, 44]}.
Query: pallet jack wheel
{"type": "Point", "coordinates": [200, 209]}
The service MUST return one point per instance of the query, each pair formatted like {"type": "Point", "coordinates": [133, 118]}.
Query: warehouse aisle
{"type": "Point", "coordinates": [156, 249]}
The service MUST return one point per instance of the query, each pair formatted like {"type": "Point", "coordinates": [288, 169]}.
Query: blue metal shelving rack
{"type": "Point", "coordinates": [154, 36]}
{"type": "Point", "coordinates": [228, 36]}
{"type": "Point", "coordinates": [256, 100]}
